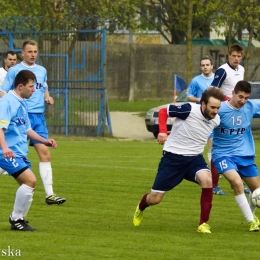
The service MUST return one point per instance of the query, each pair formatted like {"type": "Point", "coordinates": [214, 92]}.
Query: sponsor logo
{"type": "Point", "coordinates": [3, 122]}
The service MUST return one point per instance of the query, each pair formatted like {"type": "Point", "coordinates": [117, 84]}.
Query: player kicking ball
{"type": "Point", "coordinates": [233, 149]}
{"type": "Point", "coordinates": [182, 153]}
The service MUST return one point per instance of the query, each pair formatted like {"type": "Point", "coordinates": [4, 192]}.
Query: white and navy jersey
{"type": "Point", "coordinates": [198, 85]}
{"type": "Point", "coordinates": [226, 78]}
{"type": "Point", "coordinates": [14, 119]}
{"type": "Point", "coordinates": [190, 130]}
{"type": "Point", "coordinates": [233, 137]}
{"type": "Point", "coordinates": [3, 73]}
{"type": "Point", "coordinates": [36, 101]}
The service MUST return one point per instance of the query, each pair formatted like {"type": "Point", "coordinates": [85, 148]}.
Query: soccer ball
{"type": "Point", "coordinates": [256, 197]}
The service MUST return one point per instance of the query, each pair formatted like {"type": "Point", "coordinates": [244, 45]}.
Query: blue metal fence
{"type": "Point", "coordinates": [75, 63]}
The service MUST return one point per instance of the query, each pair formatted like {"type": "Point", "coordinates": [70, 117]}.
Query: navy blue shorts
{"type": "Point", "coordinates": [173, 168]}
{"type": "Point", "coordinates": [38, 124]}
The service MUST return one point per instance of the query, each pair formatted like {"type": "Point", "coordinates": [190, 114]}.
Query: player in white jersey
{"type": "Point", "coordinates": [36, 105]}
{"type": "Point", "coordinates": [15, 128]}
{"type": "Point", "coordinates": [233, 150]}
{"type": "Point", "coordinates": [194, 92]}
{"type": "Point", "coordinates": [10, 59]}
{"type": "Point", "coordinates": [228, 74]}
{"type": "Point", "coordinates": [182, 153]}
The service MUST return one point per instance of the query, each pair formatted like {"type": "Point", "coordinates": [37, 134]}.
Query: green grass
{"type": "Point", "coordinates": [141, 106]}
{"type": "Point", "coordinates": [103, 180]}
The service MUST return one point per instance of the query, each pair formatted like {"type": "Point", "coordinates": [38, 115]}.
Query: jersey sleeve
{"type": "Point", "coordinates": [8, 81]}
{"type": "Point", "coordinates": [5, 114]}
{"type": "Point", "coordinates": [220, 76]}
{"type": "Point", "coordinates": [256, 109]}
{"type": "Point", "coordinates": [192, 90]}
{"type": "Point", "coordinates": [181, 111]}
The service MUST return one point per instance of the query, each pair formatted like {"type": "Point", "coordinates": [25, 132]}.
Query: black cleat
{"type": "Point", "coordinates": [20, 225]}
{"type": "Point", "coordinates": [54, 199]}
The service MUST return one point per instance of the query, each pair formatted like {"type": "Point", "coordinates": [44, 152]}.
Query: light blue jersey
{"type": "Point", "coordinates": [14, 119]}
{"type": "Point", "coordinates": [198, 85]}
{"type": "Point", "coordinates": [36, 101]}
{"type": "Point", "coordinates": [233, 137]}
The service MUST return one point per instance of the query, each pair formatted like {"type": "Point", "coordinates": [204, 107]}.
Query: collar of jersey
{"type": "Point", "coordinates": [235, 108]}
{"type": "Point", "coordinates": [33, 66]}
{"type": "Point", "coordinates": [13, 92]}
{"type": "Point", "coordinates": [232, 67]}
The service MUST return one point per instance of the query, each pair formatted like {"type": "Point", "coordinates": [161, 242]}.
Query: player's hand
{"type": "Point", "coordinates": [8, 153]}
{"type": "Point", "coordinates": [49, 100]}
{"type": "Point", "coordinates": [51, 143]}
{"type": "Point", "coordinates": [161, 138]}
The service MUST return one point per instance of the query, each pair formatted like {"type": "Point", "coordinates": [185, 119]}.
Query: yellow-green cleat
{"type": "Point", "coordinates": [138, 217]}
{"type": "Point", "coordinates": [204, 228]}
{"type": "Point", "coordinates": [253, 226]}
{"type": "Point", "coordinates": [256, 220]}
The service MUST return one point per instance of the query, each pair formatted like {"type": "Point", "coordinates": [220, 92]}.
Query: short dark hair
{"type": "Point", "coordinates": [243, 86]}
{"type": "Point", "coordinates": [9, 52]}
{"type": "Point", "coordinates": [206, 58]}
{"type": "Point", "coordinates": [23, 77]}
{"type": "Point", "coordinates": [235, 47]}
{"type": "Point", "coordinates": [212, 92]}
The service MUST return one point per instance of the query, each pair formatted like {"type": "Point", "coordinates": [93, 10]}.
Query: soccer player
{"type": "Point", "coordinates": [10, 59]}
{"type": "Point", "coordinates": [182, 153]}
{"type": "Point", "coordinates": [14, 129]}
{"type": "Point", "coordinates": [233, 149]}
{"type": "Point", "coordinates": [228, 74]}
{"type": "Point", "coordinates": [195, 89]}
{"type": "Point", "coordinates": [36, 110]}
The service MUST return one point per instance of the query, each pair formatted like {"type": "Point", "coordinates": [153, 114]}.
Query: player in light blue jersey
{"type": "Point", "coordinates": [15, 128]}
{"type": "Point", "coordinates": [36, 109]}
{"type": "Point", "coordinates": [195, 89]}
{"type": "Point", "coordinates": [233, 150]}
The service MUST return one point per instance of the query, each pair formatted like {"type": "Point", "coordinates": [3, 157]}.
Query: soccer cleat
{"type": "Point", "coordinates": [256, 220]}
{"type": "Point", "coordinates": [253, 226]}
{"type": "Point", "coordinates": [204, 228]}
{"type": "Point", "coordinates": [138, 217]}
{"type": "Point", "coordinates": [20, 225]}
{"type": "Point", "coordinates": [246, 190]}
{"type": "Point", "coordinates": [54, 199]}
{"type": "Point", "coordinates": [218, 191]}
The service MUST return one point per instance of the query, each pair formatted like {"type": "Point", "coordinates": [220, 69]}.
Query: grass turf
{"type": "Point", "coordinates": [103, 180]}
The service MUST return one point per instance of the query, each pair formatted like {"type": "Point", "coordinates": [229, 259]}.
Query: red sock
{"type": "Point", "coordinates": [143, 204]}
{"type": "Point", "coordinates": [215, 175]}
{"type": "Point", "coordinates": [205, 204]}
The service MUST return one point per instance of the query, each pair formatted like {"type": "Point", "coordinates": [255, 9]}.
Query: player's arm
{"type": "Point", "coordinates": [48, 99]}
{"type": "Point", "coordinates": [220, 76]}
{"type": "Point", "coordinates": [181, 112]}
{"type": "Point", "coordinates": [8, 82]}
{"type": "Point", "coordinates": [7, 152]}
{"type": "Point", "coordinates": [192, 92]}
{"type": "Point", "coordinates": [34, 136]}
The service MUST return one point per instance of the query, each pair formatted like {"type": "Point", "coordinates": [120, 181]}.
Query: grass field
{"type": "Point", "coordinates": [103, 180]}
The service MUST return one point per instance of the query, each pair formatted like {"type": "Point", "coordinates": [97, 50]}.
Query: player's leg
{"type": "Point", "coordinates": [250, 176]}
{"type": "Point", "coordinates": [19, 168]}
{"type": "Point", "coordinates": [3, 172]}
{"type": "Point", "coordinates": [167, 178]}
{"type": "Point", "coordinates": [236, 182]}
{"type": "Point", "coordinates": [39, 126]}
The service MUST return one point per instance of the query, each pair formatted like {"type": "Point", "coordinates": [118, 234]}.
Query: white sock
{"type": "Point", "coordinates": [244, 207]}
{"type": "Point", "coordinates": [251, 205]}
{"type": "Point", "coordinates": [23, 196]}
{"type": "Point", "coordinates": [209, 157]}
{"type": "Point", "coordinates": [46, 176]}
{"type": "Point", "coordinates": [27, 207]}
